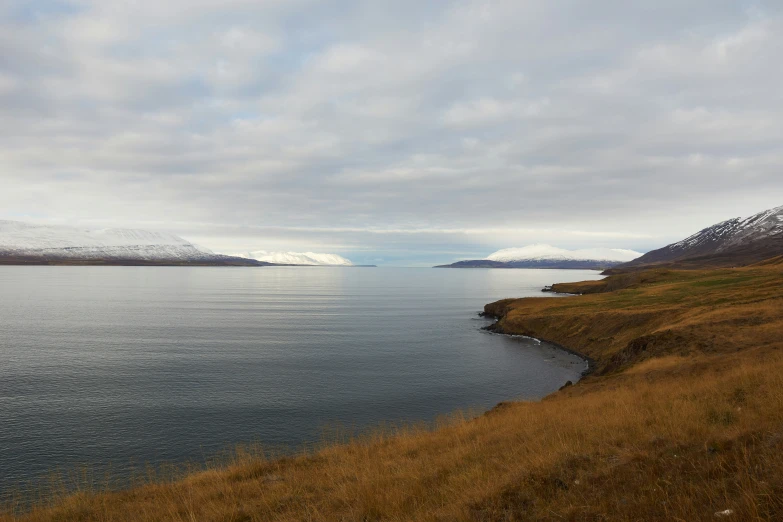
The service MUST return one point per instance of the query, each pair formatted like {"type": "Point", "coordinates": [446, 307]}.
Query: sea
{"type": "Point", "coordinates": [105, 371]}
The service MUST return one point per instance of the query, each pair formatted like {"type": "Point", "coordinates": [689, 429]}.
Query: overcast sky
{"type": "Point", "coordinates": [392, 132]}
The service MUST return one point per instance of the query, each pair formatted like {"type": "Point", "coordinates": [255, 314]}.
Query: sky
{"type": "Point", "coordinates": [392, 132]}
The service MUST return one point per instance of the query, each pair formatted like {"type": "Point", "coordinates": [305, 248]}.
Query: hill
{"type": "Point", "coordinates": [681, 419]}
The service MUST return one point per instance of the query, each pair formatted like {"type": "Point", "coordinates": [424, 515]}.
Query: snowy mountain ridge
{"type": "Point", "coordinates": [51, 243]}
{"type": "Point", "coordinates": [548, 256]}
{"type": "Point", "coordinates": [547, 252]}
{"type": "Point", "coordinates": [732, 242]}
{"type": "Point", "coordinates": [736, 231]}
{"type": "Point", "coordinates": [19, 239]}
{"type": "Point", "coordinates": [297, 258]}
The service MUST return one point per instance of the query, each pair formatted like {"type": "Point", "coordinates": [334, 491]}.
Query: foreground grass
{"type": "Point", "coordinates": [684, 424]}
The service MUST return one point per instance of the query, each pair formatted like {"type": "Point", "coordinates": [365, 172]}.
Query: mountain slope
{"type": "Point", "coordinates": [297, 258]}
{"type": "Point", "coordinates": [25, 243]}
{"type": "Point", "coordinates": [547, 256]}
{"type": "Point", "coordinates": [735, 242]}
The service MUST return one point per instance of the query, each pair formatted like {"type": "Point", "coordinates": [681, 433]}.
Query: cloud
{"type": "Point", "coordinates": [485, 111]}
{"type": "Point", "coordinates": [395, 127]}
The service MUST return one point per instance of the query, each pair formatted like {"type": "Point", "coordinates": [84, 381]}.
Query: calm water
{"type": "Point", "coordinates": [116, 365]}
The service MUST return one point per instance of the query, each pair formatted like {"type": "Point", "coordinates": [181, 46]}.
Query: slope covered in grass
{"type": "Point", "coordinates": [628, 318]}
{"type": "Point", "coordinates": [682, 419]}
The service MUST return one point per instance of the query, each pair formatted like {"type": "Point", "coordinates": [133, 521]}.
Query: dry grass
{"type": "Point", "coordinates": [657, 313]}
{"type": "Point", "coordinates": [679, 426]}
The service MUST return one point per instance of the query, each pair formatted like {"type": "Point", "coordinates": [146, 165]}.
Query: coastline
{"type": "Point", "coordinates": [497, 328]}
{"type": "Point", "coordinates": [685, 395]}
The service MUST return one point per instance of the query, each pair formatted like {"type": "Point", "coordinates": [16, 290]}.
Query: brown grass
{"type": "Point", "coordinates": [628, 318]}
{"type": "Point", "coordinates": [683, 419]}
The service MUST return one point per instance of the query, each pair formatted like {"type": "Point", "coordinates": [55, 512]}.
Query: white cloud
{"type": "Point", "coordinates": [490, 110]}
{"type": "Point", "coordinates": [330, 121]}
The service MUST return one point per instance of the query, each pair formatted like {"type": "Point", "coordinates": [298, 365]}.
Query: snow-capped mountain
{"type": "Point", "coordinates": [540, 252]}
{"type": "Point", "coordinates": [547, 256]}
{"type": "Point", "coordinates": [736, 241]}
{"type": "Point", "coordinates": [25, 242]}
{"type": "Point", "coordinates": [297, 258]}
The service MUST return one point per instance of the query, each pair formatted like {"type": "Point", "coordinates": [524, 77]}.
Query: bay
{"type": "Point", "coordinates": [115, 367]}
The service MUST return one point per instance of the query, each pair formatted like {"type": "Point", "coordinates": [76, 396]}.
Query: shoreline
{"type": "Point", "coordinates": [496, 329]}
{"type": "Point", "coordinates": [182, 469]}
{"type": "Point", "coordinates": [188, 468]}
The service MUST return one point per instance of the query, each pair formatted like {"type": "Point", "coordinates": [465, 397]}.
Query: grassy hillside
{"type": "Point", "coordinates": [628, 318]}
{"type": "Point", "coordinates": [682, 419]}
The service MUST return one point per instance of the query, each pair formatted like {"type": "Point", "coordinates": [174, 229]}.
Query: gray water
{"type": "Point", "coordinates": [121, 366]}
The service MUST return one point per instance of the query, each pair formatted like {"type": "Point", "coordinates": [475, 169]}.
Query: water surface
{"type": "Point", "coordinates": [113, 365]}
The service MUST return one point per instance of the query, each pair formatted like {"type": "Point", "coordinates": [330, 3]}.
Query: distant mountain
{"type": "Point", "coordinates": [735, 242]}
{"type": "Point", "coordinates": [547, 256]}
{"type": "Point", "coordinates": [25, 243]}
{"type": "Point", "coordinates": [297, 258]}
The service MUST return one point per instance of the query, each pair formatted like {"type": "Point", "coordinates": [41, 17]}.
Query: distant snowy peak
{"type": "Point", "coordinates": [297, 258]}
{"type": "Point", "coordinates": [61, 242]}
{"type": "Point", "coordinates": [540, 252]}
{"type": "Point", "coordinates": [548, 256]}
